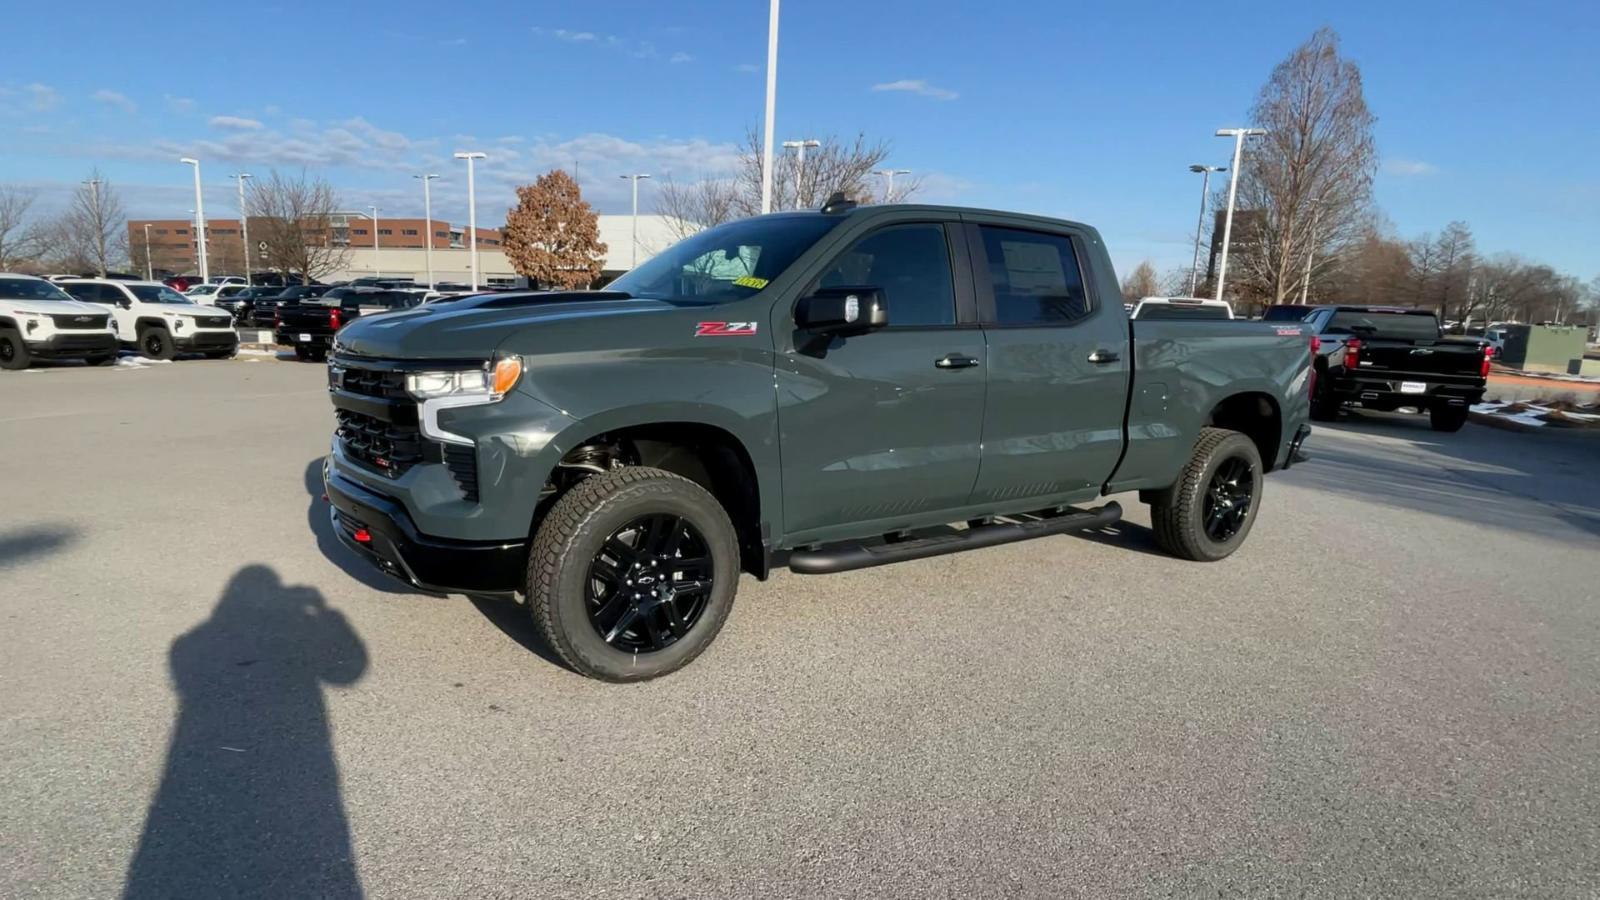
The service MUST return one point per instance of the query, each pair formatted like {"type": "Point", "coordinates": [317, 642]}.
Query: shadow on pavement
{"type": "Point", "coordinates": [249, 804]}
{"type": "Point", "coordinates": [1126, 536]}
{"type": "Point", "coordinates": [24, 544]}
{"type": "Point", "coordinates": [1541, 484]}
{"type": "Point", "coordinates": [514, 622]}
{"type": "Point", "coordinates": [336, 552]}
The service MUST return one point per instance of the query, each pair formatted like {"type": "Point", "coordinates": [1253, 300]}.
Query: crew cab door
{"type": "Point", "coordinates": [1058, 366]}
{"type": "Point", "coordinates": [880, 430]}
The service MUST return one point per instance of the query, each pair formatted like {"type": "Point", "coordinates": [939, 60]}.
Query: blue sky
{"type": "Point", "coordinates": [1486, 111]}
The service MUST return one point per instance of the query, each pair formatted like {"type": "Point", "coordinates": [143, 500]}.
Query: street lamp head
{"type": "Point", "coordinates": [640, 175]}
{"type": "Point", "coordinates": [425, 177]}
{"type": "Point", "coordinates": [189, 161]}
{"type": "Point", "coordinates": [1199, 168]}
{"type": "Point", "coordinates": [472, 154]}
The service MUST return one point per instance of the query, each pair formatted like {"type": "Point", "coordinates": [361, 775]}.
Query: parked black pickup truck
{"type": "Point", "coordinates": [1385, 358]}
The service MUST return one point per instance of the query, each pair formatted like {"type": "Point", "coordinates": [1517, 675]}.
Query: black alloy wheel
{"type": "Point", "coordinates": [1228, 499]}
{"type": "Point", "coordinates": [154, 343]}
{"type": "Point", "coordinates": [649, 583]}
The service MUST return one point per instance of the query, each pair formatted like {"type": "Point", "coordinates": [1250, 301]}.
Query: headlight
{"type": "Point", "coordinates": [490, 382]}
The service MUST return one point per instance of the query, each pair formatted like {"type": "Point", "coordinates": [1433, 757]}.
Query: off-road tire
{"type": "Point", "coordinates": [14, 353]}
{"type": "Point", "coordinates": [303, 354]}
{"type": "Point", "coordinates": [156, 343]}
{"type": "Point", "coordinates": [1446, 418]}
{"type": "Point", "coordinates": [1177, 513]}
{"type": "Point", "coordinates": [573, 532]}
{"type": "Point", "coordinates": [222, 354]}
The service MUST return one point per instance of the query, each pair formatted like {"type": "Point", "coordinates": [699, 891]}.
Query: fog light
{"type": "Point", "coordinates": [362, 536]}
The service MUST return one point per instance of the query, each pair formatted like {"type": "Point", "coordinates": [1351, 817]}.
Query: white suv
{"type": "Point", "coordinates": [40, 321]}
{"type": "Point", "coordinates": [157, 320]}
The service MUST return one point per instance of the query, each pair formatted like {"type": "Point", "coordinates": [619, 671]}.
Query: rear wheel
{"type": "Point", "coordinates": [632, 573]}
{"type": "Point", "coordinates": [1207, 514]}
{"type": "Point", "coordinates": [155, 343]}
{"type": "Point", "coordinates": [1324, 407]}
{"type": "Point", "coordinates": [105, 360]}
{"type": "Point", "coordinates": [13, 352]}
{"type": "Point", "coordinates": [222, 354]}
{"type": "Point", "coordinates": [303, 354]}
{"type": "Point", "coordinates": [1447, 418]}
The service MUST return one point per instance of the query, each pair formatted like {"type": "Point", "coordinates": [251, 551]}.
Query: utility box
{"type": "Point", "coordinates": [1556, 349]}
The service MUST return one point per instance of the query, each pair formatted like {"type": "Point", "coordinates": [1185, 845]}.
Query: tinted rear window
{"type": "Point", "coordinates": [1179, 311]}
{"type": "Point", "coordinates": [1285, 314]}
{"type": "Point", "coordinates": [1409, 326]}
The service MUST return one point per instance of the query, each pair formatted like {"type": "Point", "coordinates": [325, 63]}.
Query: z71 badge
{"type": "Point", "coordinates": [724, 329]}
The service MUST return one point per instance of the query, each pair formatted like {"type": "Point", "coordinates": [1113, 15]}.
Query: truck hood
{"type": "Point", "coordinates": [474, 327]}
{"type": "Point", "coordinates": [51, 307]}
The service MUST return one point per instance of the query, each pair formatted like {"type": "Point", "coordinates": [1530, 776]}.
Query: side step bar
{"type": "Point", "coordinates": [845, 557]}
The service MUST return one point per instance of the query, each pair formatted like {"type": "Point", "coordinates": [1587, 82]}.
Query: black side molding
{"type": "Point", "coordinates": [845, 557]}
{"type": "Point", "coordinates": [1295, 453]}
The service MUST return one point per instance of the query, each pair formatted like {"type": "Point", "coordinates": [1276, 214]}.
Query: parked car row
{"type": "Point", "coordinates": [93, 318]}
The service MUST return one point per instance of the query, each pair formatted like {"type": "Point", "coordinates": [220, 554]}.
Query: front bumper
{"type": "Point", "coordinates": [395, 546]}
{"type": "Point", "coordinates": [206, 340]}
{"type": "Point", "coordinates": [92, 343]}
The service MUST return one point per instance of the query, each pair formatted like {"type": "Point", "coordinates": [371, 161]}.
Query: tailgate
{"type": "Point", "coordinates": [1427, 360]}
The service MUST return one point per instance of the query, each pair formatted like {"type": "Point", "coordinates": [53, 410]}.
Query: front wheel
{"type": "Point", "coordinates": [633, 573]}
{"type": "Point", "coordinates": [1206, 515]}
{"type": "Point", "coordinates": [155, 343]}
{"type": "Point", "coordinates": [13, 351]}
{"type": "Point", "coordinates": [1447, 418]}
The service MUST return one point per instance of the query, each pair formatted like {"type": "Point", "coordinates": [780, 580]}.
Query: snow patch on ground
{"type": "Point", "coordinates": [1538, 415]}
{"type": "Point", "coordinates": [138, 362]}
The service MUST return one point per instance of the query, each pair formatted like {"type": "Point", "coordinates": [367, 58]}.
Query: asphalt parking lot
{"type": "Point", "coordinates": [1392, 690]}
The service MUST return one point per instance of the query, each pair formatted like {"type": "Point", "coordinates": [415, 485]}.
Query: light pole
{"type": "Point", "coordinates": [772, 108]}
{"type": "Point", "coordinates": [635, 180]}
{"type": "Point", "coordinates": [889, 174]}
{"type": "Point", "coordinates": [472, 213]}
{"type": "Point", "coordinates": [799, 148]}
{"type": "Point", "coordinates": [99, 229]}
{"type": "Point", "coordinates": [1200, 226]}
{"type": "Point", "coordinates": [199, 219]}
{"type": "Point", "coordinates": [1311, 247]}
{"type": "Point", "coordinates": [149, 267]}
{"type": "Point", "coordinates": [427, 215]}
{"type": "Point", "coordinates": [1238, 135]}
{"type": "Point", "coordinates": [376, 269]}
{"type": "Point", "coordinates": [244, 224]}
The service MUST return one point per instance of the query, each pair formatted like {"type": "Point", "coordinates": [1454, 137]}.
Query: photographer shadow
{"type": "Point", "coordinates": [249, 803]}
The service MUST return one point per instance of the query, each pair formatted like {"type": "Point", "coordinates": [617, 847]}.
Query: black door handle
{"type": "Point", "coordinates": [955, 361]}
{"type": "Point", "coordinates": [1103, 356]}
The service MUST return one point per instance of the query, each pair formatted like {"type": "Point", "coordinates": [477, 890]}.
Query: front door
{"type": "Point", "coordinates": [1058, 370]}
{"type": "Point", "coordinates": [881, 430]}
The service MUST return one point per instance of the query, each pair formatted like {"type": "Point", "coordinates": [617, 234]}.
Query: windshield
{"type": "Point", "coordinates": [31, 289]}
{"type": "Point", "coordinates": [157, 293]}
{"type": "Point", "coordinates": [728, 262]}
{"type": "Point", "coordinates": [1409, 326]}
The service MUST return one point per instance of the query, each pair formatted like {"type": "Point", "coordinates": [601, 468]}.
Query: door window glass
{"type": "Point", "coordinates": [1035, 276]}
{"type": "Point", "coordinates": [910, 264]}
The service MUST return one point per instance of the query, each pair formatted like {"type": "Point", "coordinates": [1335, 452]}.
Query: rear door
{"type": "Point", "coordinates": [1058, 366]}
{"type": "Point", "coordinates": [880, 431]}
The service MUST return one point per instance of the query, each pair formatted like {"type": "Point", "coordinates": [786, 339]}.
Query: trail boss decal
{"type": "Point", "coordinates": [724, 329]}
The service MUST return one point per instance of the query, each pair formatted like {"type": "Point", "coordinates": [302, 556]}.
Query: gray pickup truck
{"type": "Point", "coordinates": [823, 390]}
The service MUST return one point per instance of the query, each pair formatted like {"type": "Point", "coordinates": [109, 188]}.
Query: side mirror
{"type": "Point", "coordinates": [125, 303]}
{"type": "Point", "coordinates": [843, 311]}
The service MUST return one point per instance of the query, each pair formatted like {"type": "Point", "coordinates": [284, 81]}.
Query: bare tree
{"type": "Point", "coordinates": [295, 219]}
{"type": "Point", "coordinates": [552, 235]}
{"type": "Point", "coordinates": [837, 166]}
{"type": "Point", "coordinates": [1454, 256]}
{"type": "Point", "coordinates": [1316, 162]}
{"type": "Point", "coordinates": [1140, 283]}
{"type": "Point", "coordinates": [19, 236]}
{"type": "Point", "coordinates": [691, 206]}
{"type": "Point", "coordinates": [94, 225]}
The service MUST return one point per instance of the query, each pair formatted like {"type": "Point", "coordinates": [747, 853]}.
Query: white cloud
{"type": "Point", "coordinates": [917, 86]}
{"type": "Point", "coordinates": [113, 98]}
{"type": "Point", "coordinates": [272, 109]}
{"type": "Point", "coordinates": [1408, 167]}
{"type": "Point", "coordinates": [234, 123]}
{"type": "Point", "coordinates": [42, 96]}
{"type": "Point", "coordinates": [455, 42]}
{"type": "Point", "coordinates": [577, 37]}
{"type": "Point", "coordinates": [178, 104]}
{"type": "Point", "coordinates": [680, 57]}
{"type": "Point", "coordinates": [747, 67]}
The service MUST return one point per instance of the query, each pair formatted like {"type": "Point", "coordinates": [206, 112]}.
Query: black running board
{"type": "Point", "coordinates": [846, 557]}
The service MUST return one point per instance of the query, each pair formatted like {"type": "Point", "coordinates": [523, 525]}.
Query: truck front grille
{"type": "Point", "coordinates": [385, 446]}
{"type": "Point", "coordinates": [374, 383]}
{"type": "Point", "coordinates": [79, 322]}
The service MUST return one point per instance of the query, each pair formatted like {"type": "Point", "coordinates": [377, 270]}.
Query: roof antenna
{"type": "Point", "coordinates": [838, 203]}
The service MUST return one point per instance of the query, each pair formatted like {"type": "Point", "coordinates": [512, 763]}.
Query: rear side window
{"type": "Point", "coordinates": [1180, 311]}
{"type": "Point", "coordinates": [910, 264]}
{"type": "Point", "coordinates": [1036, 277]}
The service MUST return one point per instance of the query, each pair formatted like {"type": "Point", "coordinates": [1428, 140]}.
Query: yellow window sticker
{"type": "Point", "coordinates": [750, 281]}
